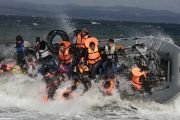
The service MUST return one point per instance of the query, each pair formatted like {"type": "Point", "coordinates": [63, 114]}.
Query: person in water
{"type": "Point", "coordinates": [138, 80]}
{"type": "Point", "coordinates": [108, 86]}
{"type": "Point", "coordinates": [5, 67]}
{"type": "Point", "coordinates": [31, 66]}
{"type": "Point", "coordinates": [93, 56]}
{"type": "Point", "coordinates": [20, 51]}
{"type": "Point", "coordinates": [81, 76]}
{"type": "Point", "coordinates": [52, 79]}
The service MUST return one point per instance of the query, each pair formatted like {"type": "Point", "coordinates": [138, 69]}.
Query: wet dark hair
{"type": "Point", "coordinates": [107, 84]}
{"type": "Point", "coordinates": [3, 67]}
{"type": "Point", "coordinates": [43, 45]}
{"type": "Point", "coordinates": [38, 39]}
{"type": "Point", "coordinates": [111, 40]}
{"type": "Point", "coordinates": [19, 38]}
{"type": "Point", "coordinates": [66, 95]}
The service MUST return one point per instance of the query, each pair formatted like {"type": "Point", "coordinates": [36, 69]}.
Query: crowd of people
{"type": "Point", "coordinates": [80, 62]}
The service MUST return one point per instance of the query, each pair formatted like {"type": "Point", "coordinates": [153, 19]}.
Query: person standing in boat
{"type": "Point", "coordinates": [82, 36]}
{"type": "Point", "coordinates": [110, 64]}
{"type": "Point", "coordinates": [111, 57]}
{"type": "Point", "coordinates": [93, 56]}
{"type": "Point", "coordinates": [65, 58]}
{"type": "Point", "coordinates": [20, 50]}
{"type": "Point", "coordinates": [80, 47]}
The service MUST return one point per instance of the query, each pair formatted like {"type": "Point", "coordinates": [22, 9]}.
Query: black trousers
{"type": "Point", "coordinates": [94, 69]}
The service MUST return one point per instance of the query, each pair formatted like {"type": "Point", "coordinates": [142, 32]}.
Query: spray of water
{"type": "Point", "coordinates": [66, 24]}
{"type": "Point", "coordinates": [23, 92]}
{"type": "Point", "coordinates": [8, 51]}
{"type": "Point", "coordinates": [157, 38]}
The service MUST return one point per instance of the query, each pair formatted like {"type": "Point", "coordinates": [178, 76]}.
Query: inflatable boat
{"type": "Point", "coordinates": [165, 70]}
{"type": "Point", "coordinates": [169, 53]}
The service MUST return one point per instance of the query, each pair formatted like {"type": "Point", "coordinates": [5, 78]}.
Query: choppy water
{"type": "Point", "coordinates": [30, 27]}
{"type": "Point", "coordinates": [21, 96]}
{"type": "Point", "coordinates": [20, 99]}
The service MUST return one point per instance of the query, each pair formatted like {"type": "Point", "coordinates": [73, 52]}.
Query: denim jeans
{"type": "Point", "coordinates": [109, 67]}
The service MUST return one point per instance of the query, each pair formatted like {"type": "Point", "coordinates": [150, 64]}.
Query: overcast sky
{"type": "Point", "coordinates": [171, 5]}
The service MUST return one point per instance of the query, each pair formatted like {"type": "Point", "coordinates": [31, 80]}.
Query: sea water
{"type": "Point", "coordinates": [21, 96]}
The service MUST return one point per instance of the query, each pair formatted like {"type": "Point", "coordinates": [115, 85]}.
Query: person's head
{"type": "Point", "coordinates": [43, 45]}
{"type": "Point", "coordinates": [30, 60]}
{"type": "Point", "coordinates": [66, 95]}
{"type": "Point", "coordinates": [19, 39]}
{"type": "Point", "coordinates": [92, 45]}
{"type": "Point", "coordinates": [62, 47]}
{"type": "Point", "coordinates": [3, 67]}
{"type": "Point", "coordinates": [38, 39]}
{"type": "Point", "coordinates": [107, 84]}
{"type": "Point", "coordinates": [84, 32]}
{"type": "Point", "coordinates": [110, 42]}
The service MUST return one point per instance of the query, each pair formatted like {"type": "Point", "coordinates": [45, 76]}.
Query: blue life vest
{"type": "Point", "coordinates": [20, 48]}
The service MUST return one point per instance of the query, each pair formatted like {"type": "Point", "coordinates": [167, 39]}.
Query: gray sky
{"type": "Point", "coordinates": [171, 5]}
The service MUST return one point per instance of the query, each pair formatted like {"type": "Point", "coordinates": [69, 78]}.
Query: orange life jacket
{"type": "Point", "coordinates": [83, 68]}
{"type": "Point", "coordinates": [136, 74]}
{"type": "Point", "coordinates": [91, 39]}
{"type": "Point", "coordinates": [45, 98]}
{"type": "Point", "coordinates": [66, 56]}
{"type": "Point", "coordinates": [93, 56]}
{"type": "Point", "coordinates": [108, 91]}
{"type": "Point", "coordinates": [80, 41]}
